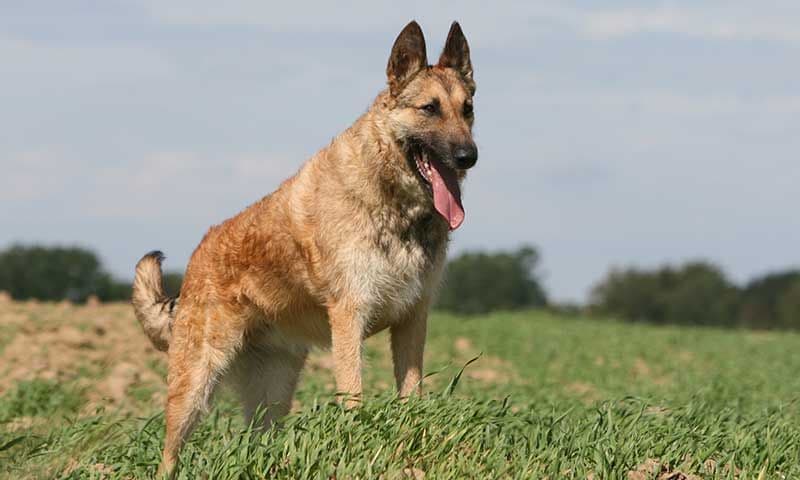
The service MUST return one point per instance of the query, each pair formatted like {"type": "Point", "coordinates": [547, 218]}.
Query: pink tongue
{"type": "Point", "coordinates": [446, 194]}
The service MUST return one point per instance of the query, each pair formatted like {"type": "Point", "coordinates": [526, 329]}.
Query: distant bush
{"type": "Point", "coordinates": [478, 282]}
{"type": "Point", "coordinates": [772, 301]}
{"type": "Point", "coordinates": [699, 293]}
{"type": "Point", "coordinates": [57, 273]}
{"type": "Point", "coordinates": [172, 283]}
{"type": "Point", "coordinates": [789, 307]}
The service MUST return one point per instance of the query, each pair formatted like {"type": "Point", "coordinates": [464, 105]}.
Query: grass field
{"type": "Point", "coordinates": [549, 397]}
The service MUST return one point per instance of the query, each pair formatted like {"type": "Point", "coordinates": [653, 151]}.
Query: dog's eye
{"type": "Point", "coordinates": [430, 108]}
{"type": "Point", "coordinates": [467, 109]}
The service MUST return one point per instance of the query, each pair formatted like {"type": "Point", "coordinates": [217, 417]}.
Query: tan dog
{"type": "Point", "coordinates": [352, 244]}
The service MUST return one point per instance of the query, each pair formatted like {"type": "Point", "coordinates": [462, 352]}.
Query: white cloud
{"type": "Point", "coordinates": [346, 15]}
{"type": "Point", "coordinates": [740, 19]}
{"type": "Point", "coordinates": [672, 102]}
{"type": "Point", "coordinates": [30, 175]}
{"type": "Point", "coordinates": [71, 64]}
{"type": "Point", "coordinates": [194, 184]}
{"type": "Point", "coordinates": [726, 21]}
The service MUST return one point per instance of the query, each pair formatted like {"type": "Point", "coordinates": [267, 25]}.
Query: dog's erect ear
{"type": "Point", "coordinates": [408, 57]}
{"type": "Point", "coordinates": [456, 53]}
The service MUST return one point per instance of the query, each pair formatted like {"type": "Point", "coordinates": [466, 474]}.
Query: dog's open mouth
{"type": "Point", "coordinates": [443, 183]}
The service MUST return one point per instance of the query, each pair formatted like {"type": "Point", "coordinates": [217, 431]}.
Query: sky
{"type": "Point", "coordinates": [611, 134]}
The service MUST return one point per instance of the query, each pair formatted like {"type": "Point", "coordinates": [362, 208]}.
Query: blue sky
{"type": "Point", "coordinates": [611, 133]}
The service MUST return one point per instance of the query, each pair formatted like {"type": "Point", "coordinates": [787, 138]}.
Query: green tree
{"type": "Point", "coordinates": [697, 293]}
{"type": "Point", "coordinates": [700, 295]}
{"type": "Point", "coordinates": [789, 307]}
{"type": "Point", "coordinates": [172, 283]}
{"type": "Point", "coordinates": [630, 293]}
{"type": "Point", "coordinates": [479, 282]}
{"type": "Point", "coordinates": [55, 273]}
{"type": "Point", "coordinates": [762, 299]}
{"type": "Point", "coordinates": [113, 290]}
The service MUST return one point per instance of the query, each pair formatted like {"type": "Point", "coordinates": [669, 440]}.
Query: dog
{"type": "Point", "coordinates": [354, 243]}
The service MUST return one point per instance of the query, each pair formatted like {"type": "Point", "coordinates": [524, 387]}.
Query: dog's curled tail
{"type": "Point", "coordinates": [153, 308]}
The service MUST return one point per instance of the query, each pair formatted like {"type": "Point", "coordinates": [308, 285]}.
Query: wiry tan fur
{"type": "Point", "coordinates": [152, 306]}
{"type": "Point", "coordinates": [347, 247]}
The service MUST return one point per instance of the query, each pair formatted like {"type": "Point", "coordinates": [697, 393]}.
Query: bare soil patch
{"type": "Point", "coordinates": [99, 347]}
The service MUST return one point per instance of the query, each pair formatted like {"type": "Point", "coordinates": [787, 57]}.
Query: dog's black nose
{"type": "Point", "coordinates": [465, 156]}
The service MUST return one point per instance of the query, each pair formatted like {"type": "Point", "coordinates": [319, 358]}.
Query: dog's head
{"type": "Point", "coordinates": [431, 115]}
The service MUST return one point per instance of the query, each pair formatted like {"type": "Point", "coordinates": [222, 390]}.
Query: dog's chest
{"type": "Point", "coordinates": [393, 272]}
{"type": "Point", "coordinates": [396, 279]}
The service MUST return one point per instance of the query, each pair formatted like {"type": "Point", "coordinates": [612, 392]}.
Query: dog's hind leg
{"type": "Point", "coordinates": [266, 378]}
{"type": "Point", "coordinates": [203, 344]}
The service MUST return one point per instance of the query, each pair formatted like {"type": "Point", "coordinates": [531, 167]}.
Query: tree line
{"type": "Point", "coordinates": [696, 293]}
{"type": "Point", "coordinates": [75, 274]}
{"type": "Point", "coordinates": [699, 293]}
{"type": "Point", "coordinates": [63, 273]}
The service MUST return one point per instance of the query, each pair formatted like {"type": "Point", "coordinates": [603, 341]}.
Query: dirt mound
{"type": "Point", "coordinates": [98, 347]}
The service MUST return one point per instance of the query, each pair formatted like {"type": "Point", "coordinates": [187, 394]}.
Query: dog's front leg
{"type": "Point", "coordinates": [347, 337]}
{"type": "Point", "coordinates": [408, 347]}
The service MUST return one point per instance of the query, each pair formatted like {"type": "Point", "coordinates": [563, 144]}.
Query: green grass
{"type": "Point", "coordinates": [39, 398]}
{"type": "Point", "coordinates": [549, 397]}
